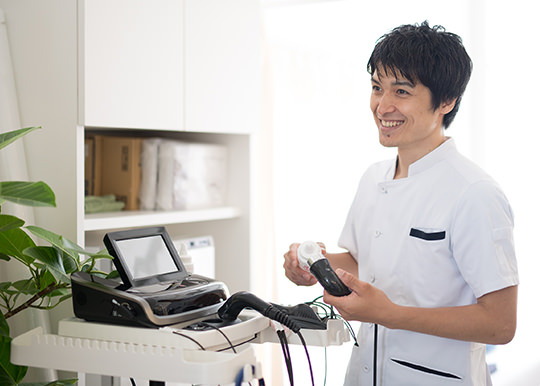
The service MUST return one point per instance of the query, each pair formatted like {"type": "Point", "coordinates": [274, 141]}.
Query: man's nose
{"type": "Point", "coordinates": [386, 104]}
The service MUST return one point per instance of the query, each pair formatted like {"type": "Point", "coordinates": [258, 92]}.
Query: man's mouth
{"type": "Point", "coordinates": [390, 124]}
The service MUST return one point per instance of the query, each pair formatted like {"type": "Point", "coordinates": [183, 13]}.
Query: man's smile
{"type": "Point", "coordinates": [388, 127]}
{"type": "Point", "coordinates": [390, 123]}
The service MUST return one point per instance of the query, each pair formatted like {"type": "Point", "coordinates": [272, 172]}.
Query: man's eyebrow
{"type": "Point", "coordinates": [396, 83]}
{"type": "Point", "coordinates": [403, 83]}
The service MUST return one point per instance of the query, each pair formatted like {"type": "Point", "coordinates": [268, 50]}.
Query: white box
{"type": "Point", "coordinates": [202, 252]}
{"type": "Point", "coordinates": [191, 176]}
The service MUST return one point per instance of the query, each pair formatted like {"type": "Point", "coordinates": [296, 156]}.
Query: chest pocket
{"type": "Point", "coordinates": [427, 235]}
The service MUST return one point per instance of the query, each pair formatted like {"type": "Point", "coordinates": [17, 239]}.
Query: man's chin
{"type": "Point", "coordinates": [386, 140]}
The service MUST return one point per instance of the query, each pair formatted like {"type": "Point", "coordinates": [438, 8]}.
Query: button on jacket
{"type": "Point", "coordinates": [441, 237]}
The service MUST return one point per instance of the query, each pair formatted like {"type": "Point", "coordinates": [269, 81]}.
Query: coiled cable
{"type": "Point", "coordinates": [237, 302]}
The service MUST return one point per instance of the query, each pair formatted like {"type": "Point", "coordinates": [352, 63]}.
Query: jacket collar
{"type": "Point", "coordinates": [440, 153]}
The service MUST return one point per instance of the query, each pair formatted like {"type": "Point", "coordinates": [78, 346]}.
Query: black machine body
{"type": "Point", "coordinates": [104, 300]}
{"type": "Point", "coordinates": [155, 288]}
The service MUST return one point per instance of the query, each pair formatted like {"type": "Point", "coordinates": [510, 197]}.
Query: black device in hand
{"type": "Point", "coordinates": [310, 256]}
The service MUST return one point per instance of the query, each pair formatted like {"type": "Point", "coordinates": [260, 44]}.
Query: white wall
{"type": "Point", "coordinates": [510, 141]}
{"type": "Point", "coordinates": [324, 136]}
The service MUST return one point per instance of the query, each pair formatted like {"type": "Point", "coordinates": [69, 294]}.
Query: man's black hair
{"type": "Point", "coordinates": [428, 55]}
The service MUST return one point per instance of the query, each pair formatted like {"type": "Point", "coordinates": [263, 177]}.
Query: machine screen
{"type": "Point", "coordinates": [146, 256]}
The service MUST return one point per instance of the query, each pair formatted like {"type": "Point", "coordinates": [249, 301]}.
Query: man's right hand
{"type": "Point", "coordinates": [292, 269]}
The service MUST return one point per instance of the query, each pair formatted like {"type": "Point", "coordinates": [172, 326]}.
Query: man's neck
{"type": "Point", "coordinates": [406, 157]}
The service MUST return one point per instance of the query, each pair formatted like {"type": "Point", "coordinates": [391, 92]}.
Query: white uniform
{"type": "Point", "coordinates": [441, 237]}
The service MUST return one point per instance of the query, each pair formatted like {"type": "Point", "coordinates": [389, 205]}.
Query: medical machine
{"type": "Point", "coordinates": [159, 322]}
{"type": "Point", "coordinates": [155, 288]}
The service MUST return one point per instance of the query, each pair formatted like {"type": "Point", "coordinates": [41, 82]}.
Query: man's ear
{"type": "Point", "coordinates": [448, 106]}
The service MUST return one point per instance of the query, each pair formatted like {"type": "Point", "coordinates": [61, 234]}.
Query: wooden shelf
{"type": "Point", "coordinates": [115, 220]}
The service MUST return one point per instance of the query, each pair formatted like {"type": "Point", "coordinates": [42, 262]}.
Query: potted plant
{"type": "Point", "coordinates": [49, 266]}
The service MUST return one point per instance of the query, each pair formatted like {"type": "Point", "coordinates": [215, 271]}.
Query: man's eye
{"type": "Point", "coordinates": [375, 88]}
{"type": "Point", "coordinates": [402, 92]}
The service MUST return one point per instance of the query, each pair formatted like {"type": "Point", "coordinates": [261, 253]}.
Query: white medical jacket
{"type": "Point", "coordinates": [441, 237]}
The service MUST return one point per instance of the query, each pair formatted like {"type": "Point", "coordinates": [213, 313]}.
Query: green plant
{"type": "Point", "coordinates": [49, 267]}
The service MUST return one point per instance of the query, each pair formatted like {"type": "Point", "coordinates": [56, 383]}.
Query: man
{"type": "Point", "coordinates": [429, 237]}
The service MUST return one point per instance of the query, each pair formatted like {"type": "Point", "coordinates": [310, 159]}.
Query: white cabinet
{"type": "Point", "coordinates": [186, 69]}
{"type": "Point", "coordinates": [170, 64]}
{"type": "Point", "coordinates": [222, 51]}
{"type": "Point", "coordinates": [132, 63]}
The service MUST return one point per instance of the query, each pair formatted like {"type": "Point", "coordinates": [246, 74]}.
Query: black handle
{"type": "Point", "coordinates": [240, 300]}
{"type": "Point", "coordinates": [324, 273]}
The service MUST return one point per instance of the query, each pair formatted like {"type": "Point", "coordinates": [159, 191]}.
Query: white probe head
{"type": "Point", "coordinates": [309, 252]}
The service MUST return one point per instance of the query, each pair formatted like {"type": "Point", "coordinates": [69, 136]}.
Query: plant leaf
{"type": "Point", "coordinates": [10, 374]}
{"type": "Point", "coordinates": [49, 236]}
{"type": "Point", "coordinates": [70, 265]}
{"type": "Point", "coordinates": [12, 136]}
{"type": "Point", "coordinates": [27, 286]}
{"type": "Point", "coordinates": [4, 327]}
{"type": "Point", "coordinates": [113, 275]}
{"type": "Point", "coordinates": [4, 286]}
{"type": "Point", "coordinates": [66, 246]}
{"type": "Point", "coordinates": [27, 193]}
{"type": "Point", "coordinates": [46, 278]}
{"type": "Point", "coordinates": [64, 292]}
{"type": "Point", "coordinates": [52, 260]}
{"type": "Point", "coordinates": [9, 222]}
{"type": "Point", "coordinates": [13, 242]}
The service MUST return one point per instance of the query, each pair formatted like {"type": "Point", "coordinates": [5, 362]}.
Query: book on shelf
{"type": "Point", "coordinates": [113, 166]}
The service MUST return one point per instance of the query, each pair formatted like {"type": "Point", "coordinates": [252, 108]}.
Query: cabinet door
{"type": "Point", "coordinates": [222, 65]}
{"type": "Point", "coordinates": [132, 63]}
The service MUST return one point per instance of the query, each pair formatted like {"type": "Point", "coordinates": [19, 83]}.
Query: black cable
{"type": "Point", "coordinates": [190, 338]}
{"type": "Point", "coordinates": [324, 306]}
{"type": "Point", "coordinates": [239, 344]}
{"type": "Point", "coordinates": [286, 354]}
{"type": "Point", "coordinates": [328, 309]}
{"type": "Point", "coordinates": [230, 310]}
{"type": "Point", "coordinates": [375, 338]}
{"type": "Point", "coordinates": [221, 332]}
{"type": "Point", "coordinates": [351, 331]}
{"type": "Point", "coordinates": [330, 314]}
{"type": "Point", "coordinates": [182, 335]}
{"type": "Point", "coordinates": [308, 359]}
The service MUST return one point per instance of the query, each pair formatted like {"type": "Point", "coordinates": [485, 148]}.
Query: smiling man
{"type": "Point", "coordinates": [429, 252]}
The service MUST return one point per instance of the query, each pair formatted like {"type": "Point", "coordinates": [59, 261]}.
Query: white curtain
{"type": "Point", "coordinates": [13, 168]}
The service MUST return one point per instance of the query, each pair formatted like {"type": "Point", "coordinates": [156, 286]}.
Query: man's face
{"type": "Point", "coordinates": [404, 114]}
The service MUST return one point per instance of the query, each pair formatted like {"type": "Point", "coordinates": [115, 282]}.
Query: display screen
{"type": "Point", "coordinates": [146, 256]}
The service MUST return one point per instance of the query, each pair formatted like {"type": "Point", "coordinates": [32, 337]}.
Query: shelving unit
{"type": "Point", "coordinates": [144, 218]}
{"type": "Point", "coordinates": [172, 68]}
